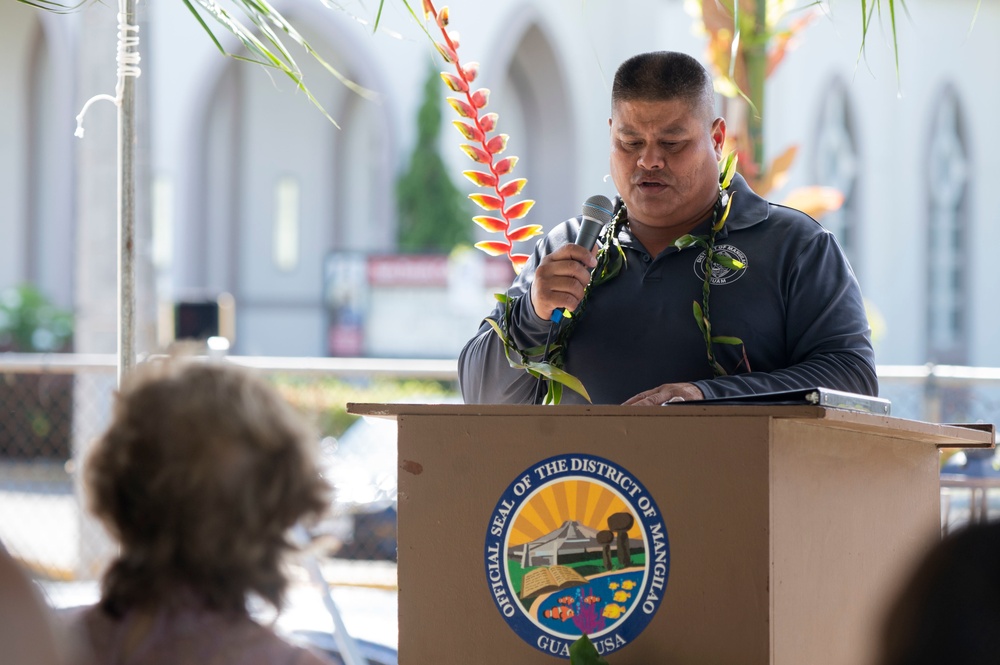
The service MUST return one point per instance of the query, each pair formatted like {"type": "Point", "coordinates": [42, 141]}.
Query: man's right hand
{"type": "Point", "coordinates": [560, 279]}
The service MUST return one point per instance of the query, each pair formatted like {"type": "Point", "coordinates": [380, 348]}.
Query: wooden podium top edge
{"type": "Point", "coordinates": [978, 435]}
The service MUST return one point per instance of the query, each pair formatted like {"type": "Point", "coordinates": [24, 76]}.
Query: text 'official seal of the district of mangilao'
{"type": "Point", "coordinates": [576, 545]}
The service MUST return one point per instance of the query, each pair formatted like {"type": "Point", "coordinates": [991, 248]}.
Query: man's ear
{"type": "Point", "coordinates": [719, 136]}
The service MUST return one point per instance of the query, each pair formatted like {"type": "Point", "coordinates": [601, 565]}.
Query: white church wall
{"type": "Point", "coordinates": [16, 32]}
{"type": "Point", "coordinates": [50, 188]}
{"type": "Point", "coordinates": [970, 54]}
{"type": "Point", "coordinates": [828, 49]}
{"type": "Point", "coordinates": [894, 127]}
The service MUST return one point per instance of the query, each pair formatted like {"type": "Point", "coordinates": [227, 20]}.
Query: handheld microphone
{"type": "Point", "coordinates": [597, 211]}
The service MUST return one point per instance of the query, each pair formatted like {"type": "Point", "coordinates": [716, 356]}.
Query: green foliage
{"type": "Point", "coordinates": [523, 359]}
{"type": "Point", "coordinates": [29, 322]}
{"type": "Point", "coordinates": [433, 214]}
{"type": "Point", "coordinates": [324, 400]}
{"type": "Point", "coordinates": [583, 652]}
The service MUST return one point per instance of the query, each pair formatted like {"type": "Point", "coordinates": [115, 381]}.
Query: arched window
{"type": "Point", "coordinates": [837, 166]}
{"type": "Point", "coordinates": [947, 191]}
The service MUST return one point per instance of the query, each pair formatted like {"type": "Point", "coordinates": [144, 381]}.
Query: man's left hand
{"type": "Point", "coordinates": [668, 392]}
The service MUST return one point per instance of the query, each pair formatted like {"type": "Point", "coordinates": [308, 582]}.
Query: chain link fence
{"type": "Point", "coordinates": [52, 407]}
{"type": "Point", "coordinates": [49, 408]}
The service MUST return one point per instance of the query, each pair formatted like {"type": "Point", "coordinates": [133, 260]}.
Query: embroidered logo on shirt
{"type": "Point", "coordinates": [721, 274]}
{"type": "Point", "coordinates": [576, 545]}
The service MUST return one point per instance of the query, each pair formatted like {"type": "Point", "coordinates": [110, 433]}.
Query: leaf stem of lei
{"type": "Point", "coordinates": [702, 311]}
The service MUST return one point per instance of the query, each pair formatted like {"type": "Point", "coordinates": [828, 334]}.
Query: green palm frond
{"type": "Point", "coordinates": [268, 49]}
{"type": "Point", "coordinates": [872, 8]}
{"type": "Point", "coordinates": [409, 8]}
{"type": "Point", "coordinates": [261, 30]}
{"type": "Point", "coordinates": [56, 7]}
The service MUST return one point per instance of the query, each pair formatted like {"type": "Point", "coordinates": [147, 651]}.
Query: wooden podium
{"type": "Point", "coordinates": [790, 527]}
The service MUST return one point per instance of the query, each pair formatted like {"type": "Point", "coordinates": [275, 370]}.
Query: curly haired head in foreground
{"type": "Point", "coordinates": [201, 473]}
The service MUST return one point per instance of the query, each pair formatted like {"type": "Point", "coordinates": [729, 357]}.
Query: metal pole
{"type": "Point", "coordinates": [932, 396]}
{"type": "Point", "coordinates": [126, 202]}
{"type": "Point", "coordinates": [347, 646]}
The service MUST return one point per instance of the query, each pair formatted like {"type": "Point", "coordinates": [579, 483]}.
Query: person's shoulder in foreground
{"type": "Point", "coordinates": [786, 293]}
{"type": "Point", "coordinates": [949, 606]}
{"type": "Point", "coordinates": [27, 631]}
{"type": "Point", "coordinates": [189, 634]}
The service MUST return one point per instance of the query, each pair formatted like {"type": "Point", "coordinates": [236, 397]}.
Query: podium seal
{"type": "Point", "coordinates": [576, 545]}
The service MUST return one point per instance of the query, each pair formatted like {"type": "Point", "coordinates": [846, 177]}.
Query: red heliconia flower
{"type": "Point", "coordinates": [518, 210]}
{"type": "Point", "coordinates": [487, 201]}
{"type": "Point", "coordinates": [480, 98]}
{"type": "Point", "coordinates": [470, 71]}
{"type": "Point", "coordinates": [476, 154]}
{"type": "Point", "coordinates": [463, 108]}
{"type": "Point", "coordinates": [494, 247]}
{"type": "Point", "coordinates": [525, 232]}
{"type": "Point", "coordinates": [497, 144]}
{"type": "Point", "coordinates": [512, 188]}
{"type": "Point", "coordinates": [471, 133]}
{"type": "Point", "coordinates": [481, 179]}
{"type": "Point", "coordinates": [482, 149]}
{"type": "Point", "coordinates": [447, 52]}
{"type": "Point", "coordinates": [456, 83]}
{"type": "Point", "coordinates": [505, 165]}
{"type": "Point", "coordinates": [488, 122]}
{"type": "Point", "coordinates": [491, 224]}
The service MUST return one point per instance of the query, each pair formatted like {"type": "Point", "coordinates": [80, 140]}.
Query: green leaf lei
{"type": "Point", "coordinates": [610, 261]}
{"type": "Point", "coordinates": [701, 311]}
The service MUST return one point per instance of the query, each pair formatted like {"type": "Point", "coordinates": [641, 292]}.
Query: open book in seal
{"type": "Point", "coordinates": [835, 399]}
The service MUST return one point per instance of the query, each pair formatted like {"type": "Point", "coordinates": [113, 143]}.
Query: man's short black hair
{"type": "Point", "coordinates": [664, 75]}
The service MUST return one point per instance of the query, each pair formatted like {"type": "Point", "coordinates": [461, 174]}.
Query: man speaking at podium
{"type": "Point", "coordinates": [785, 307]}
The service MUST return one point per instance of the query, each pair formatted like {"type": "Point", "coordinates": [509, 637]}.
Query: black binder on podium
{"type": "Point", "coordinates": [834, 399]}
